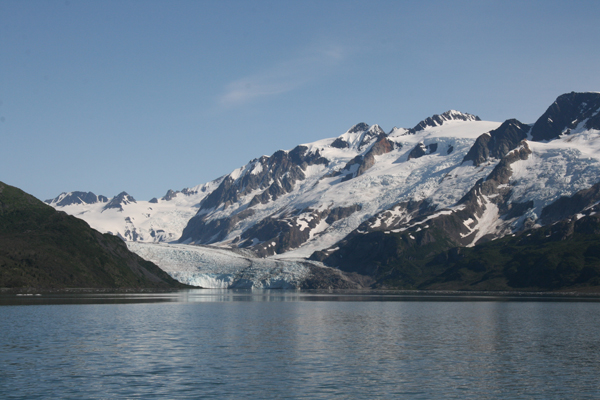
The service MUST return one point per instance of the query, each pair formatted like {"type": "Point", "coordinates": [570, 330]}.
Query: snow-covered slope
{"type": "Point", "coordinates": [307, 199]}
{"type": "Point", "coordinates": [468, 179]}
{"type": "Point", "coordinates": [157, 220]}
{"type": "Point", "coordinates": [524, 180]}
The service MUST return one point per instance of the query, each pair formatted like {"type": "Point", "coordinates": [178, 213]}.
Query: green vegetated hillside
{"type": "Point", "coordinates": [43, 248]}
{"type": "Point", "coordinates": [563, 256]}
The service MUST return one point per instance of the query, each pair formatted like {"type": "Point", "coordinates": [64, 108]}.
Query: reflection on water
{"type": "Point", "coordinates": [275, 344]}
{"type": "Point", "coordinates": [266, 295]}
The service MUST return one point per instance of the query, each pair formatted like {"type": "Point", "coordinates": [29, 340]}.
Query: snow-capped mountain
{"type": "Point", "coordinates": [533, 174]}
{"type": "Point", "coordinates": [156, 220]}
{"type": "Point", "coordinates": [451, 178]}
{"type": "Point", "coordinates": [306, 199]}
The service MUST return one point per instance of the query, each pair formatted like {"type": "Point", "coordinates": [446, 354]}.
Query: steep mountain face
{"type": "Point", "coordinates": [532, 184]}
{"type": "Point", "coordinates": [43, 248]}
{"type": "Point", "coordinates": [498, 142]}
{"type": "Point", "coordinates": [571, 111]}
{"type": "Point", "coordinates": [295, 202]}
{"type": "Point", "coordinates": [120, 200]}
{"type": "Point", "coordinates": [381, 204]}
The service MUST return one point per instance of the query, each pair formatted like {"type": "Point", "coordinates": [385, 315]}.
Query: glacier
{"type": "Point", "coordinates": [212, 267]}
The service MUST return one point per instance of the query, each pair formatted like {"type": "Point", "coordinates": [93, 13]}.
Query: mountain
{"type": "Point", "coordinates": [156, 220]}
{"type": "Point", "coordinates": [367, 199]}
{"type": "Point", "coordinates": [43, 248]}
{"type": "Point", "coordinates": [533, 183]}
{"type": "Point", "coordinates": [67, 199]}
{"type": "Point", "coordinates": [561, 256]}
{"type": "Point", "coordinates": [299, 201]}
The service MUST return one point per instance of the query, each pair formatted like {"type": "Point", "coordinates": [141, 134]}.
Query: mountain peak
{"type": "Point", "coordinates": [70, 198]}
{"type": "Point", "coordinates": [357, 136]}
{"type": "Point", "coordinates": [171, 194]}
{"type": "Point", "coordinates": [567, 113]}
{"type": "Point", "coordinates": [360, 127]}
{"type": "Point", "coordinates": [437, 120]}
{"type": "Point", "coordinates": [119, 201]}
{"type": "Point", "coordinates": [376, 130]}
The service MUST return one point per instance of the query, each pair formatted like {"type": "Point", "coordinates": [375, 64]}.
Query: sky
{"type": "Point", "coordinates": [146, 96]}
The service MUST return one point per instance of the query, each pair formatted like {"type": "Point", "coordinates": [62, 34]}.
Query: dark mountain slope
{"type": "Point", "coordinates": [43, 248]}
{"type": "Point", "coordinates": [565, 255]}
{"type": "Point", "coordinates": [567, 113]}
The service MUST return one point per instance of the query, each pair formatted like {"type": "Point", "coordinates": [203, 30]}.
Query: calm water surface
{"type": "Point", "coordinates": [226, 344]}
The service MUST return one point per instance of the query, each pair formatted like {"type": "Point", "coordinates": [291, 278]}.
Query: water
{"type": "Point", "coordinates": [277, 345]}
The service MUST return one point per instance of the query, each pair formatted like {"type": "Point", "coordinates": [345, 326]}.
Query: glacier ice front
{"type": "Point", "coordinates": [211, 267]}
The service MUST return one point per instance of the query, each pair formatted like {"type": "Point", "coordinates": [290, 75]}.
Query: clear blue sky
{"type": "Point", "coordinates": [146, 96]}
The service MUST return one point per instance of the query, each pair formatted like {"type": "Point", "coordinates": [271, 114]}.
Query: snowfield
{"type": "Point", "coordinates": [144, 221]}
{"type": "Point", "coordinates": [557, 168]}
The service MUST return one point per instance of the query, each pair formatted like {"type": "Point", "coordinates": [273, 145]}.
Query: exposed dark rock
{"type": "Point", "coordinates": [337, 213]}
{"type": "Point", "coordinates": [438, 120]}
{"type": "Point", "coordinates": [568, 206]}
{"type": "Point", "coordinates": [171, 194]}
{"type": "Point", "coordinates": [382, 145]}
{"type": "Point", "coordinates": [366, 161]}
{"type": "Point", "coordinates": [498, 142]}
{"type": "Point", "coordinates": [119, 201]}
{"type": "Point", "coordinates": [394, 246]}
{"type": "Point", "coordinates": [360, 127]}
{"type": "Point", "coordinates": [566, 113]}
{"type": "Point", "coordinates": [76, 198]}
{"type": "Point", "coordinates": [276, 236]}
{"type": "Point", "coordinates": [420, 150]}
{"type": "Point", "coordinates": [189, 192]}
{"type": "Point", "coordinates": [373, 133]}
{"type": "Point", "coordinates": [396, 216]}
{"type": "Point", "coordinates": [340, 143]}
{"type": "Point", "coordinates": [277, 175]}
{"type": "Point", "coordinates": [153, 200]}
{"type": "Point", "coordinates": [502, 171]}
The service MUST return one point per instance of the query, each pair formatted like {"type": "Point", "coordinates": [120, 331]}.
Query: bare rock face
{"type": "Point", "coordinates": [119, 201]}
{"type": "Point", "coordinates": [275, 236]}
{"type": "Point", "coordinates": [584, 202]}
{"type": "Point", "coordinates": [498, 142]}
{"type": "Point", "coordinates": [171, 194]}
{"type": "Point", "coordinates": [438, 120]}
{"type": "Point", "coordinates": [421, 150]}
{"type": "Point", "coordinates": [67, 199]}
{"type": "Point", "coordinates": [364, 162]}
{"type": "Point", "coordinates": [276, 175]}
{"type": "Point", "coordinates": [567, 113]}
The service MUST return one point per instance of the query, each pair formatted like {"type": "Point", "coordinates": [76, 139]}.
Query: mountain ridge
{"type": "Point", "coordinates": [472, 180]}
{"type": "Point", "coordinates": [47, 249]}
